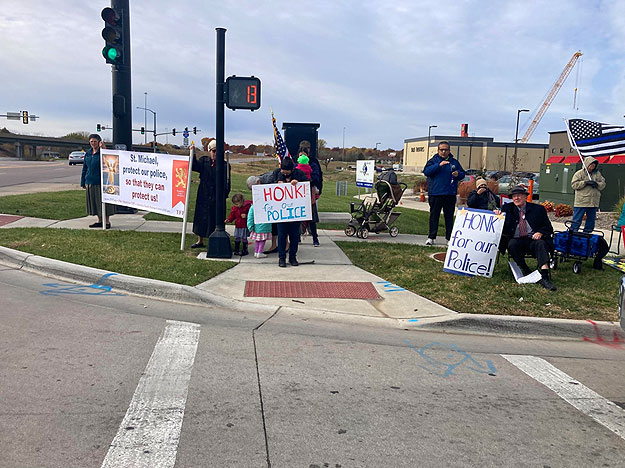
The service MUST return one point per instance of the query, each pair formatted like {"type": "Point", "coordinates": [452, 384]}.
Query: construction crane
{"type": "Point", "coordinates": [552, 94]}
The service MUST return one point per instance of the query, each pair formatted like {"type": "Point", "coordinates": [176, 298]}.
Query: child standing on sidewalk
{"type": "Point", "coordinates": [238, 214]}
{"type": "Point", "coordinates": [259, 232]}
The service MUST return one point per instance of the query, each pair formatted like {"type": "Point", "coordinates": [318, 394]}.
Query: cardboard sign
{"type": "Point", "coordinates": [365, 170]}
{"type": "Point", "coordinates": [473, 245]}
{"type": "Point", "coordinates": [282, 203]}
{"type": "Point", "coordinates": [147, 181]}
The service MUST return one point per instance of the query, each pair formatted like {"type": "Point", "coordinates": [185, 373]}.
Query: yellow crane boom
{"type": "Point", "coordinates": [552, 94]}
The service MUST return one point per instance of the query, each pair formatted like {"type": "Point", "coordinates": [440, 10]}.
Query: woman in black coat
{"type": "Point", "coordinates": [205, 217]}
{"type": "Point", "coordinates": [482, 198]}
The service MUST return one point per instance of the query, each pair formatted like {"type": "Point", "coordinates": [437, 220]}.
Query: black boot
{"type": "Point", "coordinates": [545, 281]}
{"type": "Point", "coordinates": [244, 251]}
{"type": "Point", "coordinates": [236, 248]}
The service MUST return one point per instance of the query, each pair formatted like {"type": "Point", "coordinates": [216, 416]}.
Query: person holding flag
{"type": "Point", "coordinates": [588, 184]}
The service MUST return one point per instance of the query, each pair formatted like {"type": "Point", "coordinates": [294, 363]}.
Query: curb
{"type": "Point", "coordinates": [609, 333]}
{"type": "Point", "coordinates": [126, 283]}
{"type": "Point", "coordinates": [527, 327]}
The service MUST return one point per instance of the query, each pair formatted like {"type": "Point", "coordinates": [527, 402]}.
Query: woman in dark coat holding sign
{"type": "Point", "coordinates": [205, 217]}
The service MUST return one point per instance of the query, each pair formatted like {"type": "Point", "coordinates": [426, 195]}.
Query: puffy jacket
{"type": "Point", "coordinates": [585, 195]}
{"type": "Point", "coordinates": [440, 180]}
{"type": "Point", "coordinates": [254, 226]}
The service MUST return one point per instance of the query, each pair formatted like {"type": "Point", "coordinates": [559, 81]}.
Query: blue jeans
{"type": "Point", "coordinates": [293, 231]}
{"type": "Point", "coordinates": [578, 215]}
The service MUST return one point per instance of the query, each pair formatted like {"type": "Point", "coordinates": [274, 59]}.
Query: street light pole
{"type": "Point", "coordinates": [516, 140]}
{"type": "Point", "coordinates": [145, 118]}
{"type": "Point", "coordinates": [376, 146]}
{"type": "Point", "coordinates": [343, 143]}
{"type": "Point", "coordinates": [429, 129]}
{"type": "Point", "coordinates": [150, 110]}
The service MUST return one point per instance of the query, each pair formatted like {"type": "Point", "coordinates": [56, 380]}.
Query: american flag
{"type": "Point", "coordinates": [281, 150]}
{"type": "Point", "coordinates": [595, 138]}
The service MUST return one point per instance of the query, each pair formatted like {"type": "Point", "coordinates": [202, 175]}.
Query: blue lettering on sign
{"type": "Point", "coordinates": [97, 289]}
{"type": "Point", "coordinates": [451, 358]}
{"type": "Point", "coordinates": [390, 287]}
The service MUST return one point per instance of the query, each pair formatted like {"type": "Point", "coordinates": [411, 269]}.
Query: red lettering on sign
{"type": "Point", "coordinates": [267, 193]}
{"type": "Point", "coordinates": [298, 191]}
{"type": "Point", "coordinates": [275, 194]}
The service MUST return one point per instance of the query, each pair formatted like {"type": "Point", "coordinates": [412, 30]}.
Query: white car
{"type": "Point", "coordinates": [76, 157]}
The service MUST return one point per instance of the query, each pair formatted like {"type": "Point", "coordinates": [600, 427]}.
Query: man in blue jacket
{"type": "Point", "coordinates": [443, 172]}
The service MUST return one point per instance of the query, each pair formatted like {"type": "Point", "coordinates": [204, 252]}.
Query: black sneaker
{"type": "Point", "coordinates": [282, 263]}
{"type": "Point", "coordinates": [547, 284]}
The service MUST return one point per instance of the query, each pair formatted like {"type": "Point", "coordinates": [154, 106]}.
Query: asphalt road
{"type": "Point", "coordinates": [14, 172]}
{"type": "Point", "coordinates": [90, 378]}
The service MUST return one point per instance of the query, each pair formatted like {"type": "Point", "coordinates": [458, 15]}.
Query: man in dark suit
{"type": "Point", "coordinates": [527, 229]}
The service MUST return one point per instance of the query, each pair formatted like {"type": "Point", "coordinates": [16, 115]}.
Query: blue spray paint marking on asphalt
{"type": "Point", "coordinates": [97, 289]}
{"type": "Point", "coordinates": [390, 287]}
{"type": "Point", "coordinates": [454, 358]}
{"type": "Point", "coordinates": [413, 320]}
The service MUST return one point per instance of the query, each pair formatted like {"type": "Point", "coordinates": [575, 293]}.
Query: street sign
{"type": "Point", "coordinates": [365, 169]}
{"type": "Point", "coordinates": [185, 142]}
{"type": "Point", "coordinates": [14, 116]}
{"type": "Point", "coordinates": [242, 92]}
{"type": "Point", "coordinates": [185, 134]}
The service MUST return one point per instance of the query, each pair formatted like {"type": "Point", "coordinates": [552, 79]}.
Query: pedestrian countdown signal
{"type": "Point", "coordinates": [242, 92]}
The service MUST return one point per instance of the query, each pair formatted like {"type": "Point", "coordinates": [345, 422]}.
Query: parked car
{"type": "Point", "coordinates": [505, 186]}
{"type": "Point", "coordinates": [76, 157]}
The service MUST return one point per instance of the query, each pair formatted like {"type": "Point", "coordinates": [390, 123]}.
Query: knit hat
{"type": "Point", "coordinates": [287, 164]}
{"type": "Point", "coordinates": [212, 145]}
{"type": "Point", "coordinates": [303, 159]}
{"type": "Point", "coordinates": [479, 182]}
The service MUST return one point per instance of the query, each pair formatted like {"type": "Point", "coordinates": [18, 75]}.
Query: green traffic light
{"type": "Point", "coordinates": [112, 53]}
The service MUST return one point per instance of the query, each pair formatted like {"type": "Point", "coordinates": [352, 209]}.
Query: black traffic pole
{"type": "Point", "coordinates": [122, 89]}
{"type": "Point", "coordinates": [219, 241]}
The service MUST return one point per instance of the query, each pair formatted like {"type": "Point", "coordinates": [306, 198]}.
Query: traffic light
{"type": "Point", "coordinates": [173, 131]}
{"type": "Point", "coordinates": [142, 130]}
{"type": "Point", "coordinates": [25, 117]}
{"type": "Point", "coordinates": [186, 129]}
{"type": "Point", "coordinates": [98, 127]}
{"type": "Point", "coordinates": [113, 36]}
{"type": "Point", "coordinates": [195, 130]}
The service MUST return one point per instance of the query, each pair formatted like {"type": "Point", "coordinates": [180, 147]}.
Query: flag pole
{"type": "Point", "coordinates": [568, 131]}
{"type": "Point", "coordinates": [186, 201]}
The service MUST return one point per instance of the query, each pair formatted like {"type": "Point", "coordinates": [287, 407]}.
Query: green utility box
{"type": "Point", "coordinates": [555, 183]}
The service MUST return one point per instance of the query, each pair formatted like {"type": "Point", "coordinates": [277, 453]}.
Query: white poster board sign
{"type": "Point", "coordinates": [365, 171]}
{"type": "Point", "coordinates": [282, 203]}
{"type": "Point", "coordinates": [473, 245]}
{"type": "Point", "coordinates": [147, 181]}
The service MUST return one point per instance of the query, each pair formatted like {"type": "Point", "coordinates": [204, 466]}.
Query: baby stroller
{"type": "Point", "coordinates": [375, 214]}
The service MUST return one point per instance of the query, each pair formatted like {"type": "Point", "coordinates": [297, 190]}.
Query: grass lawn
{"type": "Point", "coordinates": [69, 204]}
{"type": "Point", "coordinates": [144, 254]}
{"type": "Point", "coordinates": [589, 295]}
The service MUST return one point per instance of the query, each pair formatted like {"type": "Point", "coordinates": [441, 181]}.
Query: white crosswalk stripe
{"type": "Point", "coordinates": [573, 392]}
{"type": "Point", "coordinates": [150, 432]}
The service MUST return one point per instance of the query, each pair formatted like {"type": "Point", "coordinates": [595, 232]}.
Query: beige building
{"type": "Point", "coordinates": [559, 144]}
{"type": "Point", "coordinates": [476, 153]}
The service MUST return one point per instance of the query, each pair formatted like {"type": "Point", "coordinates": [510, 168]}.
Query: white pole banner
{"type": "Point", "coordinates": [473, 245]}
{"type": "Point", "coordinates": [282, 203]}
{"type": "Point", "coordinates": [154, 182]}
{"type": "Point", "coordinates": [365, 169]}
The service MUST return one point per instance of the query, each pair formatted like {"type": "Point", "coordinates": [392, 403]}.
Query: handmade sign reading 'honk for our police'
{"type": "Point", "coordinates": [473, 245]}
{"type": "Point", "coordinates": [282, 203]}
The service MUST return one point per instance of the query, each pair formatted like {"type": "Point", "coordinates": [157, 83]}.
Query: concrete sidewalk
{"type": "Point", "coordinates": [395, 306]}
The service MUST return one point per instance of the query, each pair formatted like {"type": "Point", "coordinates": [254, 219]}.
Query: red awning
{"type": "Point", "coordinates": [618, 159]}
{"type": "Point", "coordinates": [571, 160]}
{"type": "Point", "coordinates": [554, 160]}
{"type": "Point", "coordinates": [602, 159]}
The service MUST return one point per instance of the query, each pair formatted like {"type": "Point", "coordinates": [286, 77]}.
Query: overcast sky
{"type": "Point", "coordinates": [382, 70]}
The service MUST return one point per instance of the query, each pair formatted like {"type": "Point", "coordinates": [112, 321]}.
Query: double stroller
{"type": "Point", "coordinates": [375, 213]}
